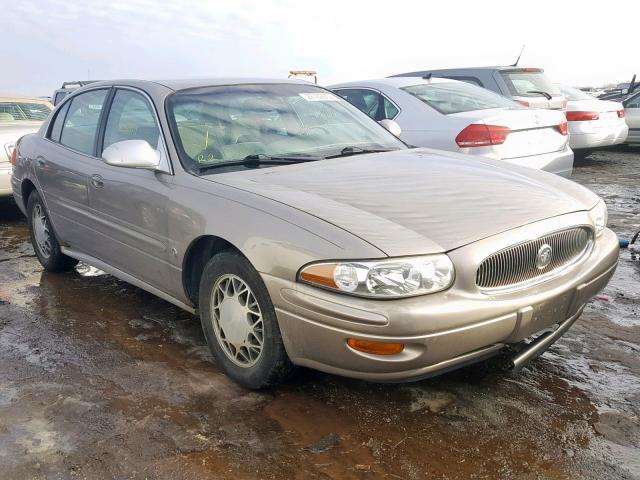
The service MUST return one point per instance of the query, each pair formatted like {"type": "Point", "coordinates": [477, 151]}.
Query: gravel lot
{"type": "Point", "coordinates": [99, 379]}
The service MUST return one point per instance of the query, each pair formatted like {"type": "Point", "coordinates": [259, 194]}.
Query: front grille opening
{"type": "Point", "coordinates": [519, 264]}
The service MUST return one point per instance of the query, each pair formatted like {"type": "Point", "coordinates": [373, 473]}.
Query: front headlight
{"type": "Point", "coordinates": [599, 216]}
{"type": "Point", "coordinates": [391, 278]}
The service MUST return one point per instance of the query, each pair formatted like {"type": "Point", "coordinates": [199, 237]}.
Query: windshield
{"type": "Point", "coordinates": [23, 112]}
{"type": "Point", "coordinates": [456, 97]}
{"type": "Point", "coordinates": [529, 84]}
{"type": "Point", "coordinates": [573, 93]}
{"type": "Point", "coordinates": [218, 125]}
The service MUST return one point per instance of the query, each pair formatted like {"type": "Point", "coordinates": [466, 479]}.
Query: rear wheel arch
{"type": "Point", "coordinates": [197, 255]}
{"type": "Point", "coordinates": [26, 189]}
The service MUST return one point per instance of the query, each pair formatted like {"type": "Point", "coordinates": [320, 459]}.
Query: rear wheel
{"type": "Point", "coordinates": [581, 155]}
{"type": "Point", "coordinates": [239, 322]}
{"type": "Point", "coordinates": [43, 238]}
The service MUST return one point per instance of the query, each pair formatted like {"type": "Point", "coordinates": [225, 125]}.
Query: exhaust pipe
{"type": "Point", "coordinates": [542, 343]}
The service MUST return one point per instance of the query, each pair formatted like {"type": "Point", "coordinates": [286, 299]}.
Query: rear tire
{"type": "Point", "coordinates": [43, 238]}
{"type": "Point", "coordinates": [240, 324]}
{"type": "Point", "coordinates": [579, 156]}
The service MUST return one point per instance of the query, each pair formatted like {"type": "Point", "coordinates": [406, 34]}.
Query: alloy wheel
{"type": "Point", "coordinates": [237, 320]}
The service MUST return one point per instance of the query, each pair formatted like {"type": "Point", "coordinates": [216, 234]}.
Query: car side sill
{"type": "Point", "coordinates": [94, 262]}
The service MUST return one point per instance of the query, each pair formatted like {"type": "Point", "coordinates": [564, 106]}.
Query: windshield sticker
{"type": "Point", "coordinates": [319, 97]}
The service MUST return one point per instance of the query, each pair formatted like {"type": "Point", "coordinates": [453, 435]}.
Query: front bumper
{"type": "Point", "coordinates": [441, 332]}
{"type": "Point", "coordinates": [602, 138]}
{"type": "Point", "coordinates": [560, 162]}
{"type": "Point", "coordinates": [5, 180]}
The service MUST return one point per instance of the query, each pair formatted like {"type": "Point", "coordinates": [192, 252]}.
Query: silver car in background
{"type": "Point", "coordinates": [18, 116]}
{"type": "Point", "coordinates": [632, 117]}
{"type": "Point", "coordinates": [460, 117]}
{"type": "Point", "coordinates": [304, 233]}
{"type": "Point", "coordinates": [528, 86]}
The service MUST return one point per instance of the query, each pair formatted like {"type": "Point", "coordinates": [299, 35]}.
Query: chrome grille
{"type": "Point", "coordinates": [517, 265]}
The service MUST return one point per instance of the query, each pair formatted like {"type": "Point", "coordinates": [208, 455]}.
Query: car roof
{"type": "Point", "coordinates": [183, 84]}
{"type": "Point", "coordinates": [20, 98]}
{"type": "Point", "coordinates": [397, 82]}
{"type": "Point", "coordinates": [470, 69]}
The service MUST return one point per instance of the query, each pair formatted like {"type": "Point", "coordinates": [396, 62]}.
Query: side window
{"type": "Point", "coordinates": [81, 124]}
{"type": "Point", "coordinates": [131, 117]}
{"type": "Point", "coordinates": [633, 102]}
{"type": "Point", "coordinates": [364, 100]}
{"type": "Point", "coordinates": [390, 110]}
{"type": "Point", "coordinates": [56, 129]}
{"type": "Point", "coordinates": [370, 102]}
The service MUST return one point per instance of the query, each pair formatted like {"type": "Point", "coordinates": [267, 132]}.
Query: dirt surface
{"type": "Point", "coordinates": [99, 379]}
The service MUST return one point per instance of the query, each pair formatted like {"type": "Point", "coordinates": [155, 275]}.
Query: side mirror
{"type": "Point", "coordinates": [392, 126]}
{"type": "Point", "coordinates": [131, 154]}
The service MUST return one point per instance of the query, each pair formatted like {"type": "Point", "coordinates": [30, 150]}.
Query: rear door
{"type": "Point", "coordinates": [129, 205]}
{"type": "Point", "coordinates": [62, 166]}
{"type": "Point", "coordinates": [632, 116]}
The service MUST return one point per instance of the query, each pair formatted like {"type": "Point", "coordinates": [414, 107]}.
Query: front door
{"type": "Point", "coordinates": [130, 204]}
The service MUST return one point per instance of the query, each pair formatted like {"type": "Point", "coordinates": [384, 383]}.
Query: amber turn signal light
{"type": "Point", "coordinates": [321, 274]}
{"type": "Point", "coordinates": [375, 348]}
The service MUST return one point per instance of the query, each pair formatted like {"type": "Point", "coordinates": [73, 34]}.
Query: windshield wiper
{"type": "Point", "coordinates": [544, 94]}
{"type": "Point", "coordinates": [354, 150]}
{"type": "Point", "coordinates": [262, 159]}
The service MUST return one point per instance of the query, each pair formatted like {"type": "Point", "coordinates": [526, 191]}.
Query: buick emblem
{"type": "Point", "coordinates": [543, 259]}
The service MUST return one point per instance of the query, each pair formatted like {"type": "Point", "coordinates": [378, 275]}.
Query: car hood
{"type": "Point", "coordinates": [416, 201]}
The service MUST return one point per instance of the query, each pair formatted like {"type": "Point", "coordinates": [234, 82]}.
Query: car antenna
{"type": "Point", "coordinates": [518, 59]}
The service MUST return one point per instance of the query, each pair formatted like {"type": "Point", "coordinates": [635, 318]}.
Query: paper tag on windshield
{"type": "Point", "coordinates": [319, 97]}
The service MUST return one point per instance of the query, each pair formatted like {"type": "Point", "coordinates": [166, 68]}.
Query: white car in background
{"type": "Point", "coordinates": [18, 116]}
{"type": "Point", "coordinates": [593, 123]}
{"type": "Point", "coordinates": [457, 116]}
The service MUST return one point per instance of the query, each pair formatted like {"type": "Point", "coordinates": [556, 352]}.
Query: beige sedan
{"type": "Point", "coordinates": [304, 233]}
{"type": "Point", "coordinates": [18, 116]}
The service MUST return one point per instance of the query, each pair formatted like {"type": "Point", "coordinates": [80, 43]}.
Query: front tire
{"type": "Point", "coordinates": [240, 324]}
{"type": "Point", "coordinates": [43, 238]}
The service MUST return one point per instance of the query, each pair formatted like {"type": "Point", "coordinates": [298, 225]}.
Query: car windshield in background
{"type": "Point", "coordinates": [458, 97]}
{"type": "Point", "coordinates": [23, 111]}
{"type": "Point", "coordinates": [529, 84]}
{"type": "Point", "coordinates": [226, 124]}
{"type": "Point", "coordinates": [573, 94]}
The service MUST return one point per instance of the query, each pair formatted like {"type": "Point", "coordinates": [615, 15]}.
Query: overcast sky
{"type": "Point", "coordinates": [43, 43]}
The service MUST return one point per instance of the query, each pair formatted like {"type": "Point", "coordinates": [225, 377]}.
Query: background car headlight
{"type": "Point", "coordinates": [599, 217]}
{"type": "Point", "coordinates": [391, 278]}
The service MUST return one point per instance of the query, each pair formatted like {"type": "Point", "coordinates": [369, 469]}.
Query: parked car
{"type": "Point", "coordinates": [621, 91]}
{"type": "Point", "coordinates": [304, 233]}
{"type": "Point", "coordinates": [18, 116]}
{"type": "Point", "coordinates": [593, 123]}
{"type": "Point", "coordinates": [456, 116]}
{"type": "Point", "coordinates": [632, 117]}
{"type": "Point", "coordinates": [528, 86]}
{"type": "Point", "coordinates": [67, 88]}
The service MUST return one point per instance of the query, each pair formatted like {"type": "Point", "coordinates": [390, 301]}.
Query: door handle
{"type": "Point", "coordinates": [97, 181]}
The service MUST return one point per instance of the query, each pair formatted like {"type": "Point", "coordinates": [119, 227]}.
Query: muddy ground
{"type": "Point", "coordinates": [99, 380]}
